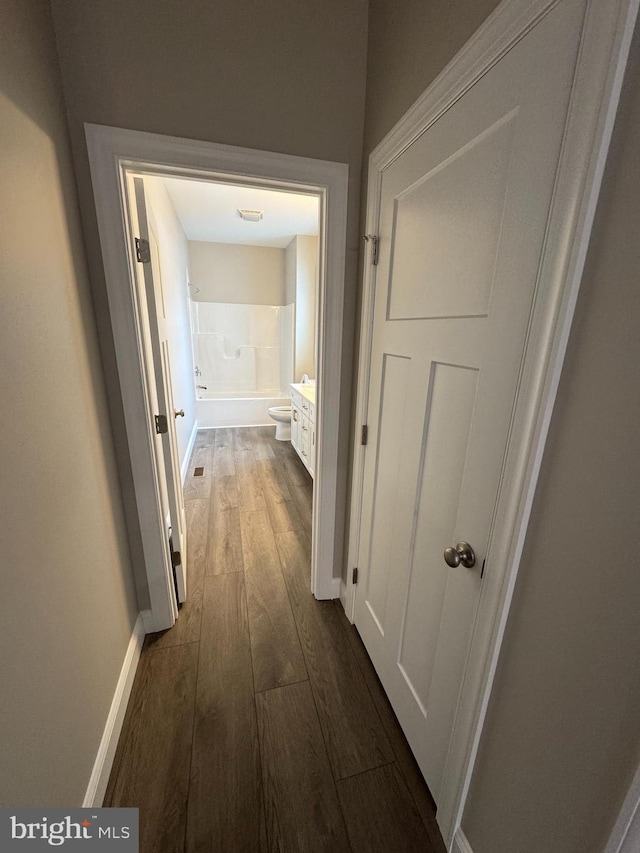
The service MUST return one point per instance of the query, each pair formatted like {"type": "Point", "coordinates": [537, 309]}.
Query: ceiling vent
{"type": "Point", "coordinates": [251, 215]}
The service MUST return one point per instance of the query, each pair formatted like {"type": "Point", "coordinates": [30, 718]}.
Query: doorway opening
{"type": "Point", "coordinates": [253, 348]}
{"type": "Point", "coordinates": [231, 285]}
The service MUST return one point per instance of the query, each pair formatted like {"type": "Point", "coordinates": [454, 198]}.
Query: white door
{"type": "Point", "coordinates": [463, 214]}
{"type": "Point", "coordinates": [160, 376]}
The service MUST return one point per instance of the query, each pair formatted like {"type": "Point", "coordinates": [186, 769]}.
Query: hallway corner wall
{"type": "Point", "coordinates": [148, 66]}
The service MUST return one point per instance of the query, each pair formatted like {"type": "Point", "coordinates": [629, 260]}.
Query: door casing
{"type": "Point", "coordinates": [603, 55]}
{"type": "Point", "coordinates": [116, 152]}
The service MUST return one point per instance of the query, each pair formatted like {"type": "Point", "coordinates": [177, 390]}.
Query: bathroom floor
{"type": "Point", "coordinates": [257, 723]}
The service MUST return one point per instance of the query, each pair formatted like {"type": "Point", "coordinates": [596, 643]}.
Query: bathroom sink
{"type": "Point", "coordinates": [307, 390]}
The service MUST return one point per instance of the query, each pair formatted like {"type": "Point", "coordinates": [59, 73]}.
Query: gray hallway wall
{"type": "Point", "coordinates": [68, 604]}
{"type": "Point", "coordinates": [562, 733]}
{"type": "Point", "coordinates": [285, 76]}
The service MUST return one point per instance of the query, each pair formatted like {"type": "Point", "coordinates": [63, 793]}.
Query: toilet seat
{"type": "Point", "coordinates": [282, 416]}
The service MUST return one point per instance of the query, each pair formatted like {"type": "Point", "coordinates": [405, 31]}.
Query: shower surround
{"type": "Point", "coordinates": [243, 356]}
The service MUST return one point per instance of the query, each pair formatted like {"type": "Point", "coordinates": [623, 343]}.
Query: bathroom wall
{"type": "Point", "coordinates": [174, 261]}
{"type": "Point", "coordinates": [230, 272]}
{"type": "Point", "coordinates": [68, 601]}
{"type": "Point", "coordinates": [301, 272]}
{"type": "Point", "coordinates": [290, 272]}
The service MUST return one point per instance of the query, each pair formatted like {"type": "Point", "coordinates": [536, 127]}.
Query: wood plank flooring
{"type": "Point", "coordinates": [257, 723]}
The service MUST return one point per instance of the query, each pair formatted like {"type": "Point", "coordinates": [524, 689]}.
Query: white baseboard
{"type": "Point", "coordinates": [460, 843]}
{"type": "Point", "coordinates": [239, 426]}
{"type": "Point", "coordinates": [187, 456]}
{"type": "Point", "coordinates": [104, 759]}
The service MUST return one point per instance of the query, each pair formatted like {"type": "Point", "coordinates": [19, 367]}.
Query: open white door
{"type": "Point", "coordinates": [160, 386]}
{"type": "Point", "coordinates": [463, 220]}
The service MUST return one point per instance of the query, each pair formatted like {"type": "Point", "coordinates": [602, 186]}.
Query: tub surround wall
{"type": "Point", "coordinates": [245, 353]}
{"type": "Point", "coordinates": [242, 350]}
{"type": "Point", "coordinates": [230, 272]}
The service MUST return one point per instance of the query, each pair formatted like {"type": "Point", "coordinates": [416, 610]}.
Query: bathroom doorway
{"type": "Point", "coordinates": [245, 347]}
{"type": "Point", "coordinates": [234, 292]}
{"type": "Point", "coordinates": [252, 289]}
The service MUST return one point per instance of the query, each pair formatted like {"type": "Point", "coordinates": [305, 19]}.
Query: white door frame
{"type": "Point", "coordinates": [602, 59]}
{"type": "Point", "coordinates": [112, 153]}
{"type": "Point", "coordinates": [625, 835]}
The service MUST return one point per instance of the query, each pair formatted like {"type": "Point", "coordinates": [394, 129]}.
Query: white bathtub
{"type": "Point", "coordinates": [236, 411]}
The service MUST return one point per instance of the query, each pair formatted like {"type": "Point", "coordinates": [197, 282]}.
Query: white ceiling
{"type": "Point", "coordinates": [209, 212]}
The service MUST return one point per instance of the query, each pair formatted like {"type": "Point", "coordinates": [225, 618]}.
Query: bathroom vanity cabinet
{"type": "Point", "coordinates": [303, 423]}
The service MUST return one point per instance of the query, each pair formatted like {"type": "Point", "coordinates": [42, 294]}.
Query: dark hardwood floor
{"type": "Point", "coordinates": [257, 723]}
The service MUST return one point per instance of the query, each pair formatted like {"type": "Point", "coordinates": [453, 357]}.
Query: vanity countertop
{"type": "Point", "coordinates": [307, 390]}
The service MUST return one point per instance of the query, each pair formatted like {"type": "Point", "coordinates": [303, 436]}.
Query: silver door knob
{"type": "Point", "coordinates": [462, 553]}
{"type": "Point", "coordinates": [178, 413]}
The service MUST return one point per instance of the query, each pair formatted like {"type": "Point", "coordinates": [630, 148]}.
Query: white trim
{"type": "Point", "coordinates": [602, 59]}
{"type": "Point", "coordinates": [106, 751]}
{"type": "Point", "coordinates": [461, 843]}
{"type": "Point", "coordinates": [238, 426]}
{"type": "Point", "coordinates": [125, 312]}
{"type": "Point", "coordinates": [112, 153]}
{"type": "Point", "coordinates": [187, 456]}
{"type": "Point", "coordinates": [625, 836]}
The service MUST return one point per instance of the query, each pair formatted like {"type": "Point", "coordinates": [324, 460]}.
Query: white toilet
{"type": "Point", "coordinates": [282, 417]}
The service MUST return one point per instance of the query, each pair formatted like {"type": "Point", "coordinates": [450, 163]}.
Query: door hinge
{"type": "Point", "coordinates": [374, 247]}
{"type": "Point", "coordinates": [365, 434]}
{"type": "Point", "coordinates": [354, 575]}
{"type": "Point", "coordinates": [176, 558]}
{"type": "Point", "coordinates": [162, 425]}
{"type": "Point", "coordinates": [143, 252]}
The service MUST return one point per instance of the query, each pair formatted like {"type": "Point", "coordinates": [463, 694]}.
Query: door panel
{"type": "Point", "coordinates": [458, 202]}
{"type": "Point", "coordinates": [436, 509]}
{"type": "Point", "coordinates": [178, 514]}
{"type": "Point", "coordinates": [170, 478]}
{"type": "Point", "coordinates": [394, 385]}
{"type": "Point", "coordinates": [463, 215]}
